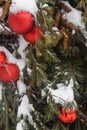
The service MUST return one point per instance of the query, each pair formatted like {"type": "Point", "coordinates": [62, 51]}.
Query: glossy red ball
{"type": "Point", "coordinates": [3, 58]}
{"type": "Point", "coordinates": [68, 115]}
{"type": "Point", "coordinates": [9, 72]}
{"type": "Point", "coordinates": [35, 34]}
{"type": "Point", "coordinates": [21, 22]}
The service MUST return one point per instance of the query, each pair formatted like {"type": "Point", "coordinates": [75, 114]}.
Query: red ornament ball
{"type": "Point", "coordinates": [36, 33]}
{"type": "Point", "coordinates": [21, 22]}
{"type": "Point", "coordinates": [68, 115]}
{"type": "Point", "coordinates": [2, 57]}
{"type": "Point", "coordinates": [9, 72]}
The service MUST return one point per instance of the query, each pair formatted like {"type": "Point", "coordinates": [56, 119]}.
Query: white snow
{"type": "Point", "coordinates": [22, 45]}
{"type": "Point", "coordinates": [12, 59]}
{"type": "Point", "coordinates": [74, 16]}
{"type": "Point", "coordinates": [19, 125]}
{"type": "Point", "coordinates": [21, 87]}
{"type": "Point", "coordinates": [45, 5]}
{"type": "Point", "coordinates": [0, 11]}
{"type": "Point", "coordinates": [63, 93]}
{"type": "Point", "coordinates": [26, 5]}
{"type": "Point", "coordinates": [25, 108]}
{"type": "Point", "coordinates": [29, 70]}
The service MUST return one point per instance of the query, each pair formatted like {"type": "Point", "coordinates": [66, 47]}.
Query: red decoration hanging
{"type": "Point", "coordinates": [9, 72]}
{"type": "Point", "coordinates": [2, 57]}
{"type": "Point", "coordinates": [21, 22]}
{"type": "Point", "coordinates": [68, 115]}
{"type": "Point", "coordinates": [35, 34]}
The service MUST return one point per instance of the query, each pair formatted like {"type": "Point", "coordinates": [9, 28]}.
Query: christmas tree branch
{"type": "Point", "coordinates": [6, 111]}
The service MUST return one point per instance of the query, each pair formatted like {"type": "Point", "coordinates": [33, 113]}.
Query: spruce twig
{"type": "Point", "coordinates": [6, 110]}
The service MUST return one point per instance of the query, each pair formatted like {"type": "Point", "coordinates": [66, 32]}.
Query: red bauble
{"type": "Point", "coordinates": [35, 34]}
{"type": "Point", "coordinates": [21, 22]}
{"type": "Point", "coordinates": [2, 57]}
{"type": "Point", "coordinates": [68, 115]}
{"type": "Point", "coordinates": [9, 72]}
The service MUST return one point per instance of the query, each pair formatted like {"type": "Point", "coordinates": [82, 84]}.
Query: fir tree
{"type": "Point", "coordinates": [59, 56]}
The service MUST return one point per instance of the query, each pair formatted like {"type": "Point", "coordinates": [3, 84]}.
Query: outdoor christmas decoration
{"type": "Point", "coordinates": [35, 34]}
{"type": "Point", "coordinates": [68, 115]}
{"type": "Point", "coordinates": [9, 72]}
{"type": "Point", "coordinates": [43, 84]}
{"type": "Point", "coordinates": [2, 57]}
{"type": "Point", "coordinates": [21, 22]}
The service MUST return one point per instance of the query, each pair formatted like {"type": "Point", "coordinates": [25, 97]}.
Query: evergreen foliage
{"type": "Point", "coordinates": [51, 64]}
